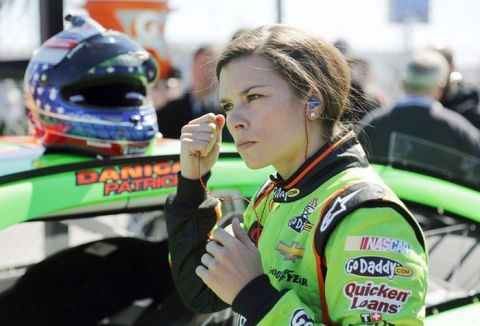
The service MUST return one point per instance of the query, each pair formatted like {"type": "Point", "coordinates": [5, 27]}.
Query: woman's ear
{"type": "Point", "coordinates": [314, 107]}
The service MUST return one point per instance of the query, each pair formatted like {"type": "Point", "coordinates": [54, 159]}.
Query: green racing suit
{"type": "Point", "coordinates": [337, 247]}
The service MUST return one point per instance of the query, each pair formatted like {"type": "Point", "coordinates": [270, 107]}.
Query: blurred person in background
{"type": "Point", "coordinates": [166, 90]}
{"type": "Point", "coordinates": [458, 95]}
{"type": "Point", "coordinates": [419, 114]}
{"type": "Point", "coordinates": [12, 111]}
{"type": "Point", "coordinates": [362, 98]}
{"type": "Point", "coordinates": [200, 98]}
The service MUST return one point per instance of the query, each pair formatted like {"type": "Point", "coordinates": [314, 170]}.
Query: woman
{"type": "Point", "coordinates": [324, 241]}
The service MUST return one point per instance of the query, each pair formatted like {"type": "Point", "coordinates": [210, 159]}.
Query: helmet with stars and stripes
{"type": "Point", "coordinates": [85, 90]}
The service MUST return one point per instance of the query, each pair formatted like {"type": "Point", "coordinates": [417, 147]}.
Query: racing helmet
{"type": "Point", "coordinates": [85, 90]}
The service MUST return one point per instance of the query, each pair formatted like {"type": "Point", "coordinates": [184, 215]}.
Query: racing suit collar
{"type": "Point", "coordinates": [328, 161]}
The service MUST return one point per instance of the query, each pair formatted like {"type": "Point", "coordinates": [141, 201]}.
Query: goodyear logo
{"type": "Point", "coordinates": [288, 275]}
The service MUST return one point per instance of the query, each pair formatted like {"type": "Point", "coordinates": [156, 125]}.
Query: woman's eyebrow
{"type": "Point", "coordinates": [245, 91]}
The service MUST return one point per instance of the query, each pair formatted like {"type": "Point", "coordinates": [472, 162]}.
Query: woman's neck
{"type": "Point", "coordinates": [286, 168]}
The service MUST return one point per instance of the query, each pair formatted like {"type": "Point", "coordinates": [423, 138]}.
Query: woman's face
{"type": "Point", "coordinates": [264, 116]}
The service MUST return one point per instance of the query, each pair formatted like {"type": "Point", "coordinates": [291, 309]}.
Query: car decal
{"type": "Point", "coordinates": [131, 178]}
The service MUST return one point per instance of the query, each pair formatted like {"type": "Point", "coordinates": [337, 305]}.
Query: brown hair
{"type": "Point", "coordinates": [309, 64]}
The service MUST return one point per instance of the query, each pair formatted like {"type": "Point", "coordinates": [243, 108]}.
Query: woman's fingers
{"type": "Point", "coordinates": [207, 260]}
{"type": "Point", "coordinates": [223, 237]}
{"type": "Point", "coordinates": [209, 127]}
{"type": "Point", "coordinates": [228, 264]}
{"type": "Point", "coordinates": [241, 235]}
{"type": "Point", "coordinates": [214, 248]}
{"type": "Point", "coordinates": [199, 137]}
{"type": "Point", "coordinates": [203, 118]}
{"type": "Point", "coordinates": [220, 121]}
{"type": "Point", "coordinates": [201, 272]}
{"type": "Point", "coordinates": [200, 145]}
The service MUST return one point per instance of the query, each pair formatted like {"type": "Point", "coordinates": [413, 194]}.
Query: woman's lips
{"type": "Point", "coordinates": [245, 144]}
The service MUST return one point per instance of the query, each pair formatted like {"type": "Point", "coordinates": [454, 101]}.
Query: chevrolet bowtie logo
{"type": "Point", "coordinates": [290, 252]}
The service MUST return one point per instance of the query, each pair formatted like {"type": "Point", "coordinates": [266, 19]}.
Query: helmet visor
{"type": "Point", "coordinates": [90, 53]}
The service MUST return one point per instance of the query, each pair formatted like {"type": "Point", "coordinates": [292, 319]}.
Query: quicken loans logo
{"type": "Point", "coordinates": [373, 297]}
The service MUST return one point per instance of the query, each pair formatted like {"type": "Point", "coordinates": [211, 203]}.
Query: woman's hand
{"type": "Point", "coordinates": [230, 263]}
{"type": "Point", "coordinates": [200, 140]}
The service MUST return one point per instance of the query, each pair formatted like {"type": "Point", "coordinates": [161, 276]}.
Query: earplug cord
{"type": "Point", "coordinates": [229, 199]}
{"type": "Point", "coordinates": [306, 131]}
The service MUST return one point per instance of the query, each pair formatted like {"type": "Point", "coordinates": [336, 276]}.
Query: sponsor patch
{"type": "Point", "coordinates": [301, 318]}
{"type": "Point", "coordinates": [294, 192]}
{"type": "Point", "coordinates": [255, 232]}
{"type": "Point", "coordinates": [291, 252]}
{"type": "Point", "coordinates": [281, 194]}
{"type": "Point", "coordinates": [272, 205]}
{"type": "Point", "coordinates": [371, 317]}
{"type": "Point", "coordinates": [238, 320]}
{"type": "Point", "coordinates": [288, 275]}
{"type": "Point", "coordinates": [373, 266]}
{"type": "Point", "coordinates": [337, 208]}
{"type": "Point", "coordinates": [301, 223]}
{"type": "Point", "coordinates": [366, 243]}
{"type": "Point", "coordinates": [376, 298]}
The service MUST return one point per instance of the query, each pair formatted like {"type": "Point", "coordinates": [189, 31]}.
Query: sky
{"type": "Point", "coordinates": [363, 23]}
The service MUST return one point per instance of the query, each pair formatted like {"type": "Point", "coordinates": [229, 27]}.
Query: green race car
{"type": "Point", "coordinates": [38, 186]}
